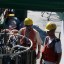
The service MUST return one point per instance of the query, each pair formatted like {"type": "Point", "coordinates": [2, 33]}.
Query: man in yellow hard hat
{"type": "Point", "coordinates": [51, 52]}
{"type": "Point", "coordinates": [32, 34]}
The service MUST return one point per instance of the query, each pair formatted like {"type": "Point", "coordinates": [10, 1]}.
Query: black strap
{"type": "Point", "coordinates": [52, 44]}
{"type": "Point", "coordinates": [55, 40]}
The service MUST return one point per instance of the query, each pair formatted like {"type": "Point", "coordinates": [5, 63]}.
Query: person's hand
{"type": "Point", "coordinates": [57, 63]}
{"type": "Point", "coordinates": [38, 55]}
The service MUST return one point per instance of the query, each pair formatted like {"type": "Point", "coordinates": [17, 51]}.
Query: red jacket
{"type": "Point", "coordinates": [48, 52]}
{"type": "Point", "coordinates": [31, 36]}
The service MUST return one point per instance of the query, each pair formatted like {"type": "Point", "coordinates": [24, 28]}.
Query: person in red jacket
{"type": "Point", "coordinates": [51, 52]}
{"type": "Point", "coordinates": [29, 32]}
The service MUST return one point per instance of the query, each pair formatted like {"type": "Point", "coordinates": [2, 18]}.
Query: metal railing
{"type": "Point", "coordinates": [21, 55]}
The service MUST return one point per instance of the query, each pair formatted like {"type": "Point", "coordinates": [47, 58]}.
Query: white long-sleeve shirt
{"type": "Point", "coordinates": [39, 40]}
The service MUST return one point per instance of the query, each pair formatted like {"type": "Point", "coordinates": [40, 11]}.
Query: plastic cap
{"type": "Point", "coordinates": [50, 26]}
{"type": "Point", "coordinates": [28, 21]}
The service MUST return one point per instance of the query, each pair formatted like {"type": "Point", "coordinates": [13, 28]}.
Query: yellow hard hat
{"type": "Point", "coordinates": [11, 14]}
{"type": "Point", "coordinates": [50, 26]}
{"type": "Point", "coordinates": [28, 21]}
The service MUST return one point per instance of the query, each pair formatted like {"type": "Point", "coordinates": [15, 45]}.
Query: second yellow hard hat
{"type": "Point", "coordinates": [50, 26]}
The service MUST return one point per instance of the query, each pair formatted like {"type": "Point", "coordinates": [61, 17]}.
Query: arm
{"type": "Point", "coordinates": [59, 58]}
{"type": "Point", "coordinates": [59, 51]}
{"type": "Point", "coordinates": [39, 41]}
